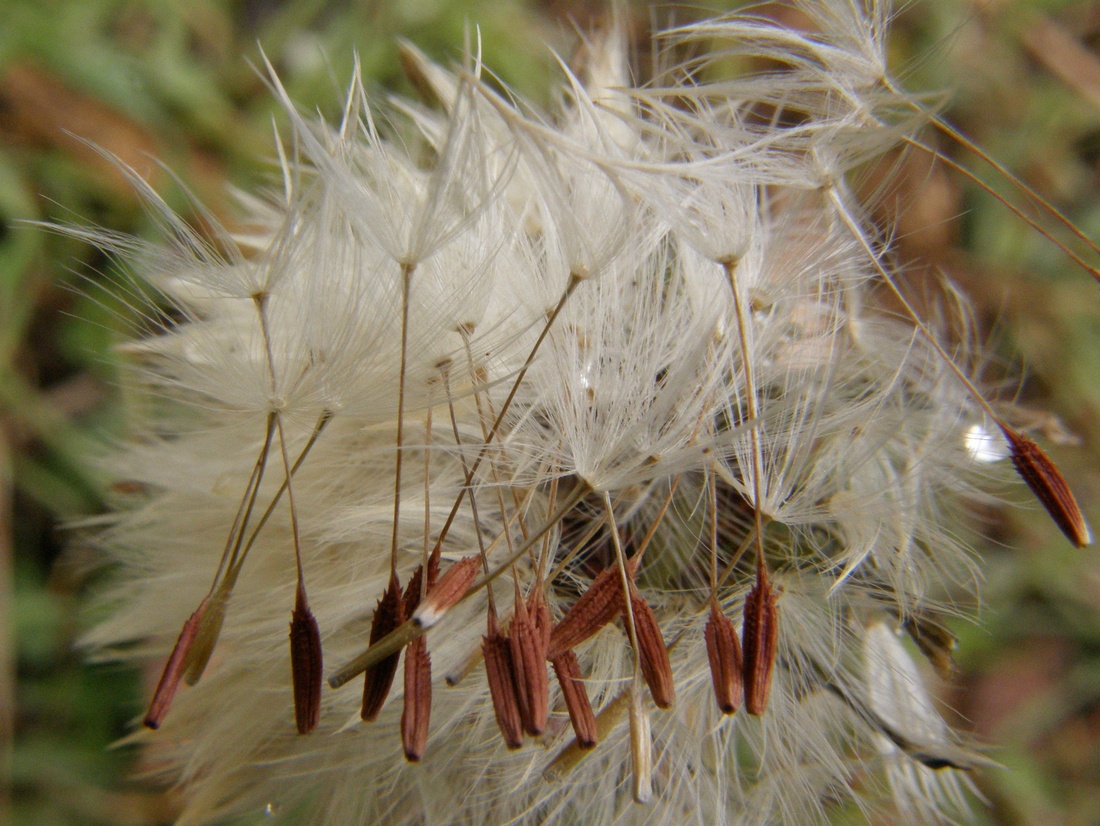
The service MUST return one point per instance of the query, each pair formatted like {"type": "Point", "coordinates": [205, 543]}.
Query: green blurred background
{"type": "Point", "coordinates": [169, 87]}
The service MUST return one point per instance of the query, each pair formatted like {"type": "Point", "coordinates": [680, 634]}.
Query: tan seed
{"type": "Point", "coordinates": [529, 671]}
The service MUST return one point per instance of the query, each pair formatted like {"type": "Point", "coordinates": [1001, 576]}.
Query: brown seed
{"type": "Point", "coordinates": [173, 670]}
{"type": "Point", "coordinates": [418, 699]}
{"type": "Point", "coordinates": [379, 677]}
{"type": "Point", "coordinates": [1049, 486]}
{"type": "Point", "coordinates": [539, 612]}
{"type": "Point", "coordinates": [760, 634]}
{"type": "Point", "coordinates": [724, 656]}
{"type": "Point", "coordinates": [529, 670]}
{"type": "Point", "coordinates": [596, 608]}
{"type": "Point", "coordinates": [411, 597]}
{"type": "Point", "coordinates": [502, 688]}
{"type": "Point", "coordinates": [568, 672]}
{"type": "Point", "coordinates": [652, 651]}
{"type": "Point", "coordinates": [451, 587]}
{"type": "Point", "coordinates": [305, 665]}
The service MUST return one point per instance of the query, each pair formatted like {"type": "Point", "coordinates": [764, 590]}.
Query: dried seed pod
{"type": "Point", "coordinates": [445, 594]}
{"type": "Point", "coordinates": [596, 607]}
{"type": "Point", "coordinates": [724, 656]}
{"type": "Point", "coordinates": [760, 634]}
{"type": "Point", "coordinates": [502, 688]}
{"type": "Point", "coordinates": [573, 692]}
{"type": "Point", "coordinates": [418, 699]}
{"type": "Point", "coordinates": [306, 665]}
{"type": "Point", "coordinates": [529, 671]}
{"type": "Point", "coordinates": [652, 651]}
{"type": "Point", "coordinates": [1049, 486]}
{"type": "Point", "coordinates": [173, 669]}
{"type": "Point", "coordinates": [379, 677]}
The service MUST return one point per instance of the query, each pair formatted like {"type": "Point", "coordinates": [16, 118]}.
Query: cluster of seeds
{"type": "Point", "coordinates": [516, 376]}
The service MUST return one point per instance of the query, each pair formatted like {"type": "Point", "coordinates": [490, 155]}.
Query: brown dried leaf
{"type": "Point", "coordinates": [724, 656]}
{"type": "Point", "coordinates": [379, 677]}
{"type": "Point", "coordinates": [1049, 486]}
{"type": "Point", "coordinates": [418, 699]}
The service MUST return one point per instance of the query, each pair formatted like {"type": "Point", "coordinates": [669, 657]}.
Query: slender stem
{"type": "Point", "coordinates": [909, 309]}
{"type": "Point", "coordinates": [473, 498]}
{"type": "Point", "coordinates": [574, 281]}
{"type": "Point", "coordinates": [406, 283]}
{"type": "Point", "coordinates": [624, 579]}
{"type": "Point", "coordinates": [463, 331]}
{"type": "Point", "coordinates": [1015, 210]}
{"type": "Point", "coordinates": [730, 267]}
{"type": "Point", "coordinates": [427, 495]}
{"type": "Point", "coordinates": [712, 500]}
{"type": "Point", "coordinates": [231, 556]}
{"type": "Point", "coordinates": [409, 630]}
{"type": "Point", "coordinates": [318, 428]}
{"type": "Point", "coordinates": [1001, 169]}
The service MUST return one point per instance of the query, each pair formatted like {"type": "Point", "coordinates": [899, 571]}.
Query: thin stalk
{"type": "Point", "coordinates": [574, 280]}
{"type": "Point", "coordinates": [409, 630]}
{"type": "Point", "coordinates": [1015, 210]}
{"type": "Point", "coordinates": [730, 267]}
{"type": "Point", "coordinates": [406, 283]}
{"type": "Point", "coordinates": [846, 218]}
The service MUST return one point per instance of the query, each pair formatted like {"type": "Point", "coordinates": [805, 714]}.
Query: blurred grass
{"type": "Point", "coordinates": [175, 81]}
